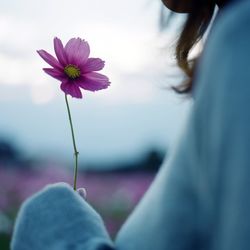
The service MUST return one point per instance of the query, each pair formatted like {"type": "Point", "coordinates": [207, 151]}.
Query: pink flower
{"type": "Point", "coordinates": [74, 68]}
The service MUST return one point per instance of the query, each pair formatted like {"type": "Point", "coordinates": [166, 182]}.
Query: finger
{"type": "Point", "coordinates": [82, 192]}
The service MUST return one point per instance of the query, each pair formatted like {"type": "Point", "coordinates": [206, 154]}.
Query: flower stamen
{"type": "Point", "coordinates": [72, 71]}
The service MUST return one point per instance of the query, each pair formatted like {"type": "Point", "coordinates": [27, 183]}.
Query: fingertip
{"type": "Point", "coordinates": [82, 192]}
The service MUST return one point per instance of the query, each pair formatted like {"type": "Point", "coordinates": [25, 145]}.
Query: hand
{"type": "Point", "coordinates": [57, 217]}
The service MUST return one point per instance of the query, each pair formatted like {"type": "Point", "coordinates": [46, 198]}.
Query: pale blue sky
{"type": "Point", "coordinates": [135, 113]}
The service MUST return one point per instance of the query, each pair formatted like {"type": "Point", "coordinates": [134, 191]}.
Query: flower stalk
{"type": "Point", "coordinates": [76, 153]}
{"type": "Point", "coordinates": [76, 71]}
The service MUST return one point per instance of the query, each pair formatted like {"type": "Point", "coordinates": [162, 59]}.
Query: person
{"type": "Point", "coordinates": [200, 197]}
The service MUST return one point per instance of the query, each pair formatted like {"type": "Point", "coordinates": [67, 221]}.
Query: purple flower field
{"type": "Point", "coordinates": [112, 194]}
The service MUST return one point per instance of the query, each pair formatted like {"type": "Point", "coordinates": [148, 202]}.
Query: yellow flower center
{"type": "Point", "coordinates": [72, 71]}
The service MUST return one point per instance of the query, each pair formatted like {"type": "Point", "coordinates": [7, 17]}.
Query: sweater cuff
{"type": "Point", "coordinates": [58, 218]}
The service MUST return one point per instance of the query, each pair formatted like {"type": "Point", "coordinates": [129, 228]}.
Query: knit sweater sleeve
{"type": "Point", "coordinates": [57, 218]}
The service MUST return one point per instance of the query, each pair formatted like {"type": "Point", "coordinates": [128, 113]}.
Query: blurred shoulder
{"type": "Point", "coordinates": [225, 59]}
{"type": "Point", "coordinates": [233, 19]}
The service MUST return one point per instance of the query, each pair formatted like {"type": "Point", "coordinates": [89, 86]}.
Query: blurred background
{"type": "Point", "coordinates": [123, 133]}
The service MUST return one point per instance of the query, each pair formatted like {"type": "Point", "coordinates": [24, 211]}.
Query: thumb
{"type": "Point", "coordinates": [82, 192]}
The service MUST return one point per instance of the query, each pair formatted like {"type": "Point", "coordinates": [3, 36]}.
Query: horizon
{"type": "Point", "coordinates": [135, 113]}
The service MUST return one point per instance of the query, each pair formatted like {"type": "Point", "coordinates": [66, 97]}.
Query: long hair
{"type": "Point", "coordinates": [198, 19]}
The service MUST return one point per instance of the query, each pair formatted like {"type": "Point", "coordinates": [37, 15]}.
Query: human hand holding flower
{"type": "Point", "coordinates": [76, 71]}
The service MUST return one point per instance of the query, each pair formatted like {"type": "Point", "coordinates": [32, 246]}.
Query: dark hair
{"type": "Point", "coordinates": [198, 19]}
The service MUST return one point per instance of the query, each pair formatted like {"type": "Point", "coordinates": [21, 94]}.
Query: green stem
{"type": "Point", "coordinates": [76, 153]}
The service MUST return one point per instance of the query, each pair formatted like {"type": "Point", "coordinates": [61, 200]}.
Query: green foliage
{"type": "Point", "coordinates": [4, 241]}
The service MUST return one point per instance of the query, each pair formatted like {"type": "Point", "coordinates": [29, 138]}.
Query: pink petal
{"type": "Point", "coordinates": [93, 81]}
{"type": "Point", "coordinates": [77, 51]}
{"type": "Point", "coordinates": [93, 64]}
{"type": "Point", "coordinates": [59, 75]}
{"type": "Point", "coordinates": [70, 88]}
{"type": "Point", "coordinates": [59, 50]}
{"type": "Point", "coordinates": [49, 59]}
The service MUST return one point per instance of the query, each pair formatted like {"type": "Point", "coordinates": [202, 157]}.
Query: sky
{"type": "Point", "coordinates": [136, 113]}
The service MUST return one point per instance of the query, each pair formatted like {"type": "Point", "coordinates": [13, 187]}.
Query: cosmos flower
{"type": "Point", "coordinates": [74, 68]}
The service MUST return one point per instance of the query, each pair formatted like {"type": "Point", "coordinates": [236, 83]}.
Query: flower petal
{"type": "Point", "coordinates": [59, 50]}
{"type": "Point", "coordinates": [70, 88]}
{"type": "Point", "coordinates": [51, 60]}
{"type": "Point", "coordinates": [93, 81]}
{"type": "Point", "coordinates": [93, 64]}
{"type": "Point", "coordinates": [59, 75]}
{"type": "Point", "coordinates": [77, 51]}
